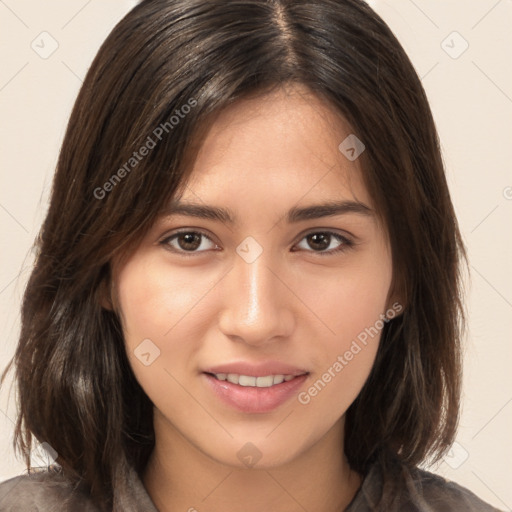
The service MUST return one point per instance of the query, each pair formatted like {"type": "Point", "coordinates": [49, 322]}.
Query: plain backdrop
{"type": "Point", "coordinates": [461, 50]}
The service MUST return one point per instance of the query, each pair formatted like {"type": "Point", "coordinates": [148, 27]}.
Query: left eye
{"type": "Point", "coordinates": [325, 242]}
{"type": "Point", "coordinates": [321, 242]}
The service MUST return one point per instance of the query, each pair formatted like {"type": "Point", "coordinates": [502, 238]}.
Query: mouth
{"type": "Point", "coordinates": [254, 393]}
{"type": "Point", "coordinates": [263, 381]}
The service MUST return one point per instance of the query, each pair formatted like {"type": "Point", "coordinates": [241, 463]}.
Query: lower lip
{"type": "Point", "coordinates": [252, 399]}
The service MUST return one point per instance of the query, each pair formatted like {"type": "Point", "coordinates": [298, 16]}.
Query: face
{"type": "Point", "coordinates": [254, 285]}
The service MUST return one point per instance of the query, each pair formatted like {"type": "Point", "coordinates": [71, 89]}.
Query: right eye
{"type": "Point", "coordinates": [189, 242]}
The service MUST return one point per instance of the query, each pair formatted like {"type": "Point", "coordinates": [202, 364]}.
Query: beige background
{"type": "Point", "coordinates": [470, 90]}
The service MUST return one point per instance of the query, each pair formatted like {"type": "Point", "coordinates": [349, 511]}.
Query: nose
{"type": "Point", "coordinates": [257, 306]}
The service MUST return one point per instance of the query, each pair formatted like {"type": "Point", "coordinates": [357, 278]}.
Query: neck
{"type": "Point", "coordinates": [179, 476]}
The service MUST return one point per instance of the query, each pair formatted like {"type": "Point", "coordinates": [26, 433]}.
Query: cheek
{"type": "Point", "coordinates": [166, 307]}
{"type": "Point", "coordinates": [163, 315]}
{"type": "Point", "coordinates": [352, 300]}
{"type": "Point", "coordinates": [154, 299]}
{"type": "Point", "coordinates": [351, 306]}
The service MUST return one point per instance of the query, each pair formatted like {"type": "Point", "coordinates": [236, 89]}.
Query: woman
{"type": "Point", "coordinates": [247, 288]}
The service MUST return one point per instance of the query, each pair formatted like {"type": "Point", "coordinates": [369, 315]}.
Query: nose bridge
{"type": "Point", "coordinates": [256, 309]}
{"type": "Point", "coordinates": [258, 284]}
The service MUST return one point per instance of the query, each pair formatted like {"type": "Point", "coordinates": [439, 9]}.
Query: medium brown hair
{"type": "Point", "coordinates": [75, 387]}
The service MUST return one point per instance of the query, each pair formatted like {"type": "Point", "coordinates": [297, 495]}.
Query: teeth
{"type": "Point", "coordinates": [265, 382]}
{"type": "Point", "coordinates": [259, 382]}
{"type": "Point", "coordinates": [245, 380]}
{"type": "Point", "coordinates": [233, 378]}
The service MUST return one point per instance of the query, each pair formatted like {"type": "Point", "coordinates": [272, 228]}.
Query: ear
{"type": "Point", "coordinates": [105, 293]}
{"type": "Point", "coordinates": [395, 308]}
{"type": "Point", "coordinates": [396, 302]}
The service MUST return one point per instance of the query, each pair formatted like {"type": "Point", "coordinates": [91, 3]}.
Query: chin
{"type": "Point", "coordinates": [256, 451]}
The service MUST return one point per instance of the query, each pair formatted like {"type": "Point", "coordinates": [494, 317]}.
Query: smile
{"type": "Point", "coordinates": [254, 394]}
{"type": "Point", "coordinates": [248, 380]}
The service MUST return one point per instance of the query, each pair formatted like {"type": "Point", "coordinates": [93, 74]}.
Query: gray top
{"type": "Point", "coordinates": [421, 492]}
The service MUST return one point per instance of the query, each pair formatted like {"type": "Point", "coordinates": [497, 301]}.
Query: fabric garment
{"type": "Point", "coordinates": [421, 491]}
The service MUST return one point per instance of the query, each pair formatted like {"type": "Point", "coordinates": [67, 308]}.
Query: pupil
{"type": "Point", "coordinates": [320, 239]}
{"type": "Point", "coordinates": [191, 241]}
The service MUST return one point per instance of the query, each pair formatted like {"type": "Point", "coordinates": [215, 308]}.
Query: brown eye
{"type": "Point", "coordinates": [324, 242]}
{"type": "Point", "coordinates": [319, 241]}
{"type": "Point", "coordinates": [189, 241]}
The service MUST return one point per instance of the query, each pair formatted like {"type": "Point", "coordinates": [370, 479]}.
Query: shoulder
{"type": "Point", "coordinates": [440, 494]}
{"type": "Point", "coordinates": [399, 488]}
{"type": "Point", "coordinates": [42, 491]}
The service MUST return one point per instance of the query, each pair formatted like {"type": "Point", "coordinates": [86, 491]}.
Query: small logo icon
{"type": "Point", "coordinates": [454, 45]}
{"type": "Point", "coordinates": [456, 456]}
{"type": "Point", "coordinates": [249, 454]}
{"type": "Point", "coordinates": [44, 45]}
{"type": "Point", "coordinates": [249, 250]}
{"type": "Point", "coordinates": [42, 455]}
{"type": "Point", "coordinates": [146, 352]}
{"type": "Point", "coordinates": [352, 147]}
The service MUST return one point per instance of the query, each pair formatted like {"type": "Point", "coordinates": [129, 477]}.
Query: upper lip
{"type": "Point", "coordinates": [261, 369]}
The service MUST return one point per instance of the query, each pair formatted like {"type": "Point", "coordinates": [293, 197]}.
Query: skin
{"type": "Point", "coordinates": [261, 157]}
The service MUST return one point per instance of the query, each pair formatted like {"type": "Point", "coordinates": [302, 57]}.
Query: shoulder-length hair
{"type": "Point", "coordinates": [158, 79]}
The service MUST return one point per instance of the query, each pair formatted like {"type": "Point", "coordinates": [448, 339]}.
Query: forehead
{"type": "Point", "coordinates": [284, 144]}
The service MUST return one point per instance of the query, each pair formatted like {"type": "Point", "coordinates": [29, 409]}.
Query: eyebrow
{"type": "Point", "coordinates": [295, 214]}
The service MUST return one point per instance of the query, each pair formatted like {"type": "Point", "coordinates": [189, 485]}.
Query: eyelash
{"type": "Point", "coordinates": [346, 244]}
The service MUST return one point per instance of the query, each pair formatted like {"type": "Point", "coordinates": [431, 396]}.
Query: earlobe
{"type": "Point", "coordinates": [398, 296]}
{"type": "Point", "coordinates": [395, 308]}
{"type": "Point", "coordinates": [105, 295]}
{"type": "Point", "coordinates": [396, 305]}
{"type": "Point", "coordinates": [106, 304]}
